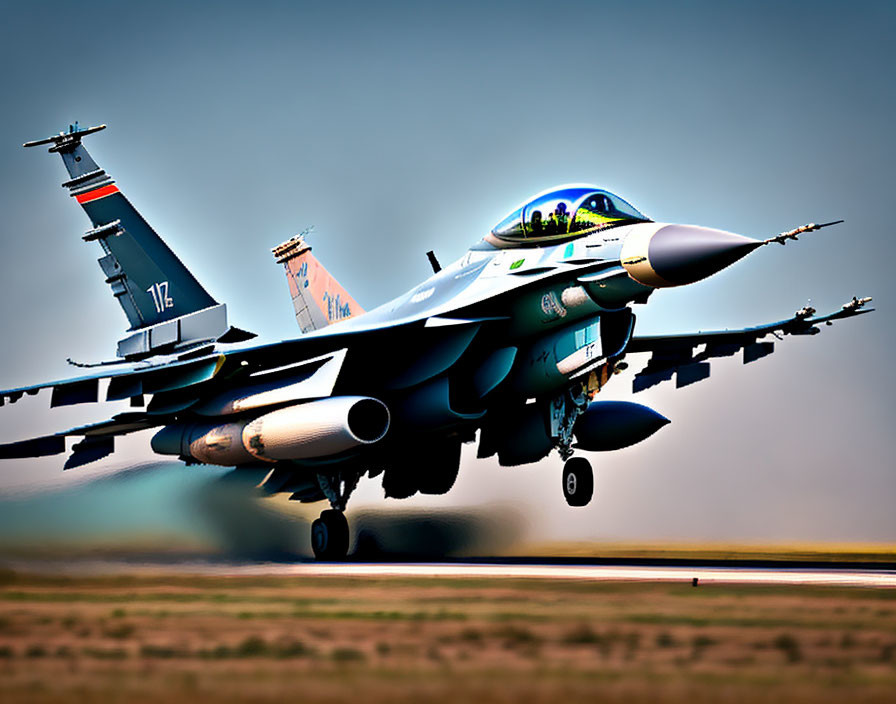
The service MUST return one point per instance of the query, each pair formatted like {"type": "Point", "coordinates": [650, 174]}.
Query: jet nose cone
{"type": "Point", "coordinates": [683, 254]}
{"type": "Point", "coordinates": [675, 255]}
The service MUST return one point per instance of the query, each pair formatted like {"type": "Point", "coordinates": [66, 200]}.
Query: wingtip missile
{"type": "Point", "coordinates": [797, 231]}
{"type": "Point", "coordinates": [805, 312]}
{"type": "Point", "coordinates": [856, 303]}
{"type": "Point", "coordinates": [808, 315]}
{"type": "Point", "coordinates": [65, 139]}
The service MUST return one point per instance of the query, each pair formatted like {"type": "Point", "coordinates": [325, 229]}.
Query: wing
{"type": "Point", "coordinates": [314, 366]}
{"type": "Point", "coordinates": [98, 440]}
{"type": "Point", "coordinates": [676, 354]}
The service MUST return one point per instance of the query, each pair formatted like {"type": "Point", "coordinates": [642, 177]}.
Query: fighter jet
{"type": "Point", "coordinates": [508, 348]}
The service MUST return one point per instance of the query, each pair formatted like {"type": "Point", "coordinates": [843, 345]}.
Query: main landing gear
{"type": "Point", "coordinates": [578, 481]}
{"type": "Point", "coordinates": [329, 533]}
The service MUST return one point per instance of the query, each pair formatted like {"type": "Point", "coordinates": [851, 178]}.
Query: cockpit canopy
{"type": "Point", "coordinates": [565, 211]}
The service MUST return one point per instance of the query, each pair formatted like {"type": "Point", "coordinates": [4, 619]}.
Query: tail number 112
{"type": "Point", "coordinates": [160, 297]}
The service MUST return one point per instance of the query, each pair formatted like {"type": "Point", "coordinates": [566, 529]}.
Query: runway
{"type": "Point", "coordinates": [600, 573]}
{"type": "Point", "coordinates": [705, 575]}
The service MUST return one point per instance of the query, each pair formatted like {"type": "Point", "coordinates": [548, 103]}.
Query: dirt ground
{"type": "Point", "coordinates": [186, 639]}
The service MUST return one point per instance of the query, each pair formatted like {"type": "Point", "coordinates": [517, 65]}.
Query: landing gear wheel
{"type": "Point", "coordinates": [578, 481]}
{"type": "Point", "coordinates": [329, 535]}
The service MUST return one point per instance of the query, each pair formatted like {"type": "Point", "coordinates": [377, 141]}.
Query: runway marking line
{"type": "Point", "coordinates": [704, 575]}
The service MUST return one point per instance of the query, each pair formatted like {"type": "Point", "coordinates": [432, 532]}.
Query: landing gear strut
{"type": "Point", "coordinates": [565, 410]}
{"type": "Point", "coordinates": [329, 533]}
{"type": "Point", "coordinates": [578, 481]}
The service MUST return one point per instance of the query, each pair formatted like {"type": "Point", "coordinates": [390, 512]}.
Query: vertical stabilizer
{"type": "Point", "coordinates": [167, 308]}
{"type": "Point", "coordinates": [318, 298]}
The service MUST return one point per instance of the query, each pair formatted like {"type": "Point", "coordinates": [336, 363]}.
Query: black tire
{"type": "Point", "coordinates": [578, 481]}
{"type": "Point", "coordinates": [329, 536]}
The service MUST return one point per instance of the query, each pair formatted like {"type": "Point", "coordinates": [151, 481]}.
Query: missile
{"type": "Point", "coordinates": [797, 231]}
{"type": "Point", "coordinates": [856, 303]}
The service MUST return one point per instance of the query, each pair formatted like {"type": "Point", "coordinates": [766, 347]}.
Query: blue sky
{"type": "Point", "coordinates": [395, 128]}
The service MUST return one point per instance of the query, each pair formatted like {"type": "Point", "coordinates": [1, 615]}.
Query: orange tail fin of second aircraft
{"type": "Point", "coordinates": [318, 298]}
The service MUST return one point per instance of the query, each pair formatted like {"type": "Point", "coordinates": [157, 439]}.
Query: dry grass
{"type": "Point", "coordinates": [185, 639]}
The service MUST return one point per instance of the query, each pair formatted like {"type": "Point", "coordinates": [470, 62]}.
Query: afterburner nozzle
{"type": "Point", "coordinates": [674, 255]}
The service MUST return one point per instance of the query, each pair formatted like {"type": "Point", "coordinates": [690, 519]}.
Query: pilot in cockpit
{"type": "Point", "coordinates": [565, 211]}
{"type": "Point", "coordinates": [562, 217]}
{"type": "Point", "coordinates": [536, 227]}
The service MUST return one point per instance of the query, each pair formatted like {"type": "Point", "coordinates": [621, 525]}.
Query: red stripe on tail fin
{"type": "Point", "coordinates": [97, 193]}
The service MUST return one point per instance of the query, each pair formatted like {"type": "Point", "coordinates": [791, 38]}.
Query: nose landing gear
{"type": "Point", "coordinates": [578, 481]}
{"type": "Point", "coordinates": [578, 478]}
